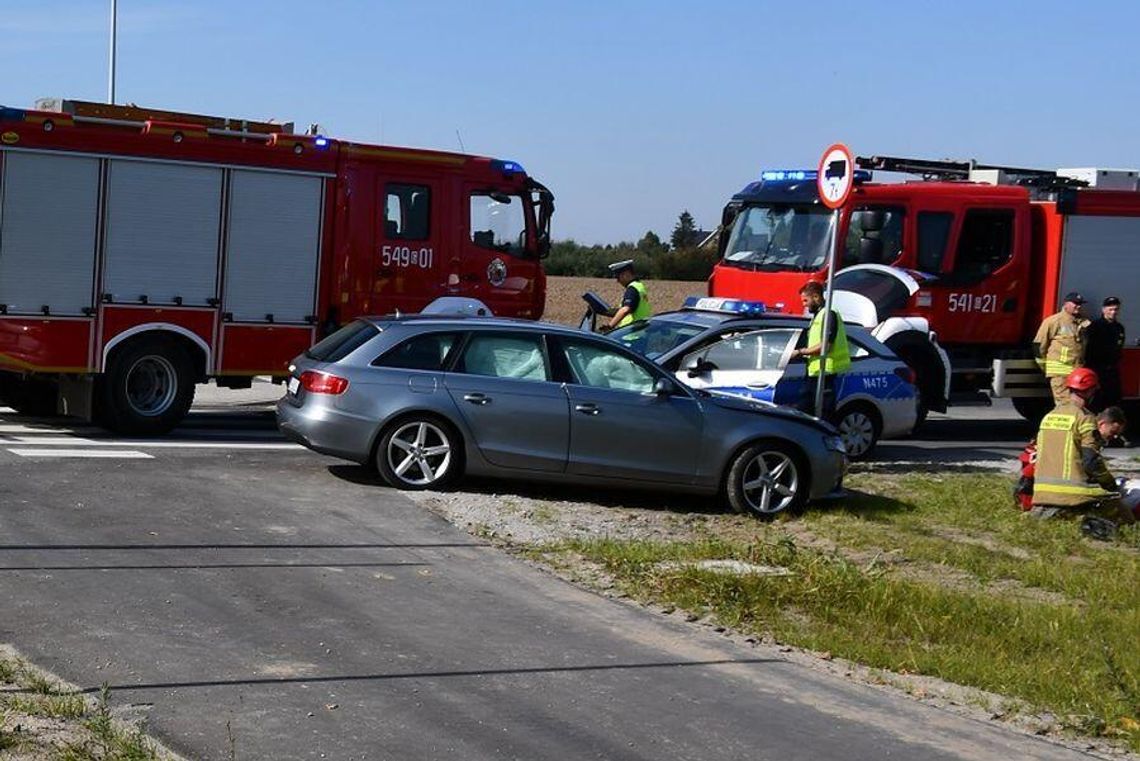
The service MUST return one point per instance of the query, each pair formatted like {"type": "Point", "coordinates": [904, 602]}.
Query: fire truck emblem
{"type": "Point", "coordinates": [10, 138]}
{"type": "Point", "coordinates": [497, 272]}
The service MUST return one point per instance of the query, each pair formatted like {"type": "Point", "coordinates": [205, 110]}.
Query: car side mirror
{"type": "Point", "coordinates": [700, 367]}
{"type": "Point", "coordinates": [663, 387]}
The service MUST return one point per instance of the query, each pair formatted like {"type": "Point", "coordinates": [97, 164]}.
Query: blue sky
{"type": "Point", "coordinates": [630, 111]}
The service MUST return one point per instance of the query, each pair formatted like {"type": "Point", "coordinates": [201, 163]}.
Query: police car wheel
{"type": "Point", "coordinates": [766, 479]}
{"type": "Point", "coordinates": [859, 427]}
{"type": "Point", "coordinates": [420, 452]}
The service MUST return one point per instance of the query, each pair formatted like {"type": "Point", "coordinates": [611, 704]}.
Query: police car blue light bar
{"type": "Point", "coordinates": [788, 175]}
{"type": "Point", "coordinates": [724, 306]}
{"type": "Point", "coordinates": [804, 175]}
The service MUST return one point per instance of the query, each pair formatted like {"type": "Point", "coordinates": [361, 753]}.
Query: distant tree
{"type": "Point", "coordinates": [685, 232]}
{"type": "Point", "coordinates": [651, 244]}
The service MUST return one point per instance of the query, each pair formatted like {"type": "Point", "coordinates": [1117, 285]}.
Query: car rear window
{"type": "Point", "coordinates": [343, 342]}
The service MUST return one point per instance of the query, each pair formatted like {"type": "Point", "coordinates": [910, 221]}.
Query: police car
{"type": "Point", "coordinates": [735, 347]}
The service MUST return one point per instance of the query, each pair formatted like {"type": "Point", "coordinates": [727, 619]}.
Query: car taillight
{"type": "Point", "coordinates": [906, 374]}
{"type": "Point", "coordinates": [323, 383]}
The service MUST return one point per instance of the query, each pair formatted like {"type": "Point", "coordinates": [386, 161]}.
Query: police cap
{"type": "Point", "coordinates": [619, 267]}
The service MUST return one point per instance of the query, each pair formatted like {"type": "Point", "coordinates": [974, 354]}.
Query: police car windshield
{"type": "Point", "coordinates": [655, 337]}
{"type": "Point", "coordinates": [780, 238]}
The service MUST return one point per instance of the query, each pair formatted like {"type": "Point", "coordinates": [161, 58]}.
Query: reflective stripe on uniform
{"type": "Point", "coordinates": [1053, 367]}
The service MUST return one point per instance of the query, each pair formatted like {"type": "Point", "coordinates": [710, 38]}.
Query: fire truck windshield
{"type": "Point", "coordinates": [779, 238]}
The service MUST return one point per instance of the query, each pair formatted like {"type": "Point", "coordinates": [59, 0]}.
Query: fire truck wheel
{"type": "Point", "coordinates": [31, 396]}
{"type": "Point", "coordinates": [1032, 408]}
{"type": "Point", "coordinates": [147, 389]}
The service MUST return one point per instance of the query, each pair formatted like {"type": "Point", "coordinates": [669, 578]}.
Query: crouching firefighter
{"type": "Point", "coordinates": [1071, 474]}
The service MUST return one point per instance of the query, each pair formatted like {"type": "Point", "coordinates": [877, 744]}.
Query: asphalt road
{"type": "Point", "coordinates": [253, 600]}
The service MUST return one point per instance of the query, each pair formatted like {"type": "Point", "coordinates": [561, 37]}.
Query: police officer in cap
{"type": "Point", "coordinates": [635, 300]}
{"type": "Point", "coordinates": [1104, 341]}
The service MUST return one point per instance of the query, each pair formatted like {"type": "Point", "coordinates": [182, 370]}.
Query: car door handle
{"type": "Point", "coordinates": [477, 398]}
{"type": "Point", "coordinates": [587, 409]}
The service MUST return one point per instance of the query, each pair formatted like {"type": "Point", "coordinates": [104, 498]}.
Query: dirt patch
{"type": "Point", "coordinates": [564, 295]}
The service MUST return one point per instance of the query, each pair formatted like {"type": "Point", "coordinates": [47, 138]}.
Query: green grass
{"type": "Point", "coordinates": [925, 575]}
{"type": "Point", "coordinates": [100, 738]}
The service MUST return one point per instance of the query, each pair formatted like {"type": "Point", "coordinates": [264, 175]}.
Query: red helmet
{"type": "Point", "coordinates": [1082, 379]}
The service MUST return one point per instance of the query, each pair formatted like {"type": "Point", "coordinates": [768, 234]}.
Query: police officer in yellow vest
{"type": "Point", "coordinates": [1059, 346]}
{"type": "Point", "coordinates": [635, 301]}
{"type": "Point", "coordinates": [838, 359]}
{"type": "Point", "coordinates": [1071, 474]}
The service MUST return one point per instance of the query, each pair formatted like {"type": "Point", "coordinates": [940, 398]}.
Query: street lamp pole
{"type": "Point", "coordinates": [111, 66]}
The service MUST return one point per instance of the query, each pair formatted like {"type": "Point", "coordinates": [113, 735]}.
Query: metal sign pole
{"type": "Point", "coordinates": [111, 64]}
{"type": "Point", "coordinates": [833, 257]}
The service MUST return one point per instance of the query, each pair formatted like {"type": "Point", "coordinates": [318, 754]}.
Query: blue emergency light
{"type": "Point", "coordinates": [788, 175]}
{"type": "Point", "coordinates": [507, 167]}
{"type": "Point", "coordinates": [321, 141]}
{"type": "Point", "coordinates": [724, 306]}
{"type": "Point", "coordinates": [805, 175]}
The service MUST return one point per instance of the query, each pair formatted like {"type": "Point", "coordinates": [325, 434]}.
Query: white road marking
{"type": "Point", "coordinates": [144, 444]}
{"type": "Point", "coordinates": [123, 454]}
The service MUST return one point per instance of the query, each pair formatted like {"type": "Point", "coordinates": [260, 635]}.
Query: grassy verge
{"type": "Point", "coordinates": [42, 719]}
{"type": "Point", "coordinates": [932, 575]}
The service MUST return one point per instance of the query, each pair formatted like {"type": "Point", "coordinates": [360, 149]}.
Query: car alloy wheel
{"type": "Point", "coordinates": [419, 454]}
{"type": "Point", "coordinates": [770, 482]}
{"type": "Point", "coordinates": [857, 430]}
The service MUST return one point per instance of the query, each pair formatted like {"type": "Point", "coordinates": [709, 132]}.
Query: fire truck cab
{"type": "Point", "coordinates": [143, 251]}
{"type": "Point", "coordinates": [985, 243]}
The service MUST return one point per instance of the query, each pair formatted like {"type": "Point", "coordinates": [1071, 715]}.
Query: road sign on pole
{"type": "Point", "coordinates": [836, 176]}
{"type": "Point", "coordinates": [834, 181]}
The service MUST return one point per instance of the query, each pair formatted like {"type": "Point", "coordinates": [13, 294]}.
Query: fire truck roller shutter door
{"type": "Point", "coordinates": [47, 232]}
{"type": "Point", "coordinates": [272, 248]}
{"type": "Point", "coordinates": [1100, 257]}
{"type": "Point", "coordinates": [162, 232]}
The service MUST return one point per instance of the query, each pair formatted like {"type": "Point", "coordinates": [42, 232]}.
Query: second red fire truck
{"type": "Point", "coordinates": [975, 255]}
{"type": "Point", "coordinates": [143, 251]}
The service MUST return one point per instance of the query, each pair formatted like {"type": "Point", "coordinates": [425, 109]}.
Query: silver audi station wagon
{"type": "Point", "coordinates": [429, 399]}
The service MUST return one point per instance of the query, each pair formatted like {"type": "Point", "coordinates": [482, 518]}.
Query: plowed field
{"type": "Point", "coordinates": [564, 295]}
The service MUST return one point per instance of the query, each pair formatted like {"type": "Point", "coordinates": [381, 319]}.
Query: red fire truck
{"type": "Point", "coordinates": [143, 251]}
{"type": "Point", "coordinates": [973, 255]}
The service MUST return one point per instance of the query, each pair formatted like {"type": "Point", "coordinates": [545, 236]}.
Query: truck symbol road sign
{"type": "Point", "coordinates": [836, 175]}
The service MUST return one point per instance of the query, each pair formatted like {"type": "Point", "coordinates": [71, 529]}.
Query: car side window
{"type": "Point", "coordinates": [857, 351]}
{"type": "Point", "coordinates": [427, 351]}
{"type": "Point", "coordinates": [499, 355]}
{"type": "Point", "coordinates": [754, 350]}
{"type": "Point", "coordinates": [600, 367]}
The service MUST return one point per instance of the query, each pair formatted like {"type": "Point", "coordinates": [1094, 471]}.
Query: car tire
{"type": "Point", "coordinates": [420, 452]}
{"type": "Point", "coordinates": [767, 478]}
{"type": "Point", "coordinates": [860, 427]}
{"type": "Point", "coordinates": [147, 389]}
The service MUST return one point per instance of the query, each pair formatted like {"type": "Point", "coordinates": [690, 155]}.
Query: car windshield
{"type": "Point", "coordinates": [655, 337]}
{"type": "Point", "coordinates": [780, 238]}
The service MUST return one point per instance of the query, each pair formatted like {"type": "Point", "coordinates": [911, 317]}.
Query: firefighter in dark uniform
{"type": "Point", "coordinates": [634, 301]}
{"type": "Point", "coordinates": [1059, 346]}
{"type": "Point", "coordinates": [1104, 342]}
{"type": "Point", "coordinates": [1071, 474]}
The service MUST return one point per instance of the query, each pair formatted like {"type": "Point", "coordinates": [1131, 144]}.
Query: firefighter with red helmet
{"type": "Point", "coordinates": [1071, 473]}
